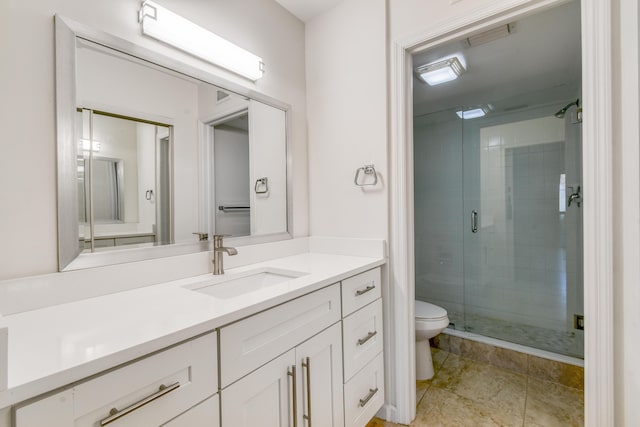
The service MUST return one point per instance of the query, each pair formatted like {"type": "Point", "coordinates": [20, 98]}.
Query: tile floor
{"type": "Point", "coordinates": [466, 392]}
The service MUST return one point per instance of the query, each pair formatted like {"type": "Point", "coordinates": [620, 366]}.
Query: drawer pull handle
{"type": "Point", "coordinates": [367, 338]}
{"type": "Point", "coordinates": [114, 414]}
{"type": "Point", "coordinates": [366, 400]}
{"type": "Point", "coordinates": [307, 364]}
{"type": "Point", "coordinates": [365, 290]}
{"type": "Point", "coordinates": [294, 390]}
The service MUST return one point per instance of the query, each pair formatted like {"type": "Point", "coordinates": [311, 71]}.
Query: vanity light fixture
{"type": "Point", "coordinates": [441, 71]}
{"type": "Point", "coordinates": [162, 24]}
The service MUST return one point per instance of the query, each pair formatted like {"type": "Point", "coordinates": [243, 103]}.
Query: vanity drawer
{"type": "Point", "coordinates": [360, 290]}
{"type": "Point", "coordinates": [250, 343]}
{"type": "Point", "coordinates": [362, 337]}
{"type": "Point", "coordinates": [188, 371]}
{"type": "Point", "coordinates": [364, 394]}
{"type": "Point", "coordinates": [205, 414]}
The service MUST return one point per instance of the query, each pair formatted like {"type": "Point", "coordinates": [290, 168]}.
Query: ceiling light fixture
{"type": "Point", "coordinates": [441, 71]}
{"type": "Point", "coordinates": [472, 113]}
{"type": "Point", "coordinates": [173, 29]}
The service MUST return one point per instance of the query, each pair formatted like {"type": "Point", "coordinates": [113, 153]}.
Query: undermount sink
{"type": "Point", "coordinates": [248, 283]}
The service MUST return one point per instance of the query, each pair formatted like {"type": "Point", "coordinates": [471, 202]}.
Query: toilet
{"type": "Point", "coordinates": [430, 321]}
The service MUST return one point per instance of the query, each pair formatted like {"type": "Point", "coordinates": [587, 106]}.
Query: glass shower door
{"type": "Point", "coordinates": [521, 241]}
{"type": "Point", "coordinates": [438, 212]}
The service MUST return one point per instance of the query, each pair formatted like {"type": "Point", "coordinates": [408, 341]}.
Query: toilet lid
{"type": "Point", "coordinates": [425, 310]}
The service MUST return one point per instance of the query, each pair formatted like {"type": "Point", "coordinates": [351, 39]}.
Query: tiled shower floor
{"type": "Point", "coordinates": [466, 392]}
{"type": "Point", "coordinates": [565, 342]}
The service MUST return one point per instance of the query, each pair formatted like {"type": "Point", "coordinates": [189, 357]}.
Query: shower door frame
{"type": "Point", "coordinates": [597, 178]}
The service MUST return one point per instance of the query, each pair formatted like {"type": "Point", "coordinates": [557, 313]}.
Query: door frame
{"type": "Point", "coordinates": [597, 185]}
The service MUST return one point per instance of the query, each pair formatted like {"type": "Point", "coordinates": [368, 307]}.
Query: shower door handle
{"type": "Point", "coordinates": [474, 221]}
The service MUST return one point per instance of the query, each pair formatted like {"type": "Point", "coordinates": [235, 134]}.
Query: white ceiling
{"type": "Point", "coordinates": [539, 63]}
{"type": "Point", "coordinates": [307, 9]}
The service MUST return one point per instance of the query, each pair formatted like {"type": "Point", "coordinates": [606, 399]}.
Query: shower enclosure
{"type": "Point", "coordinates": [498, 223]}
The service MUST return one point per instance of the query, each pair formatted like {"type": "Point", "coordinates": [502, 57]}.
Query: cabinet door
{"type": "Point", "coordinates": [263, 398]}
{"type": "Point", "coordinates": [320, 389]}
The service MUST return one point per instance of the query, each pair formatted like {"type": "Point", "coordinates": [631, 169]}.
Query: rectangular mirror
{"type": "Point", "coordinates": [153, 154]}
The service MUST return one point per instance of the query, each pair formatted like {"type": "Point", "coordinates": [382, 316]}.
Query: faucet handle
{"type": "Point", "coordinates": [202, 237]}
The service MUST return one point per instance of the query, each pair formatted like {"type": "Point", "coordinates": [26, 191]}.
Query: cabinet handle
{"type": "Point", "coordinates": [114, 414]}
{"type": "Point", "coordinates": [307, 364]}
{"type": "Point", "coordinates": [365, 290]}
{"type": "Point", "coordinates": [367, 338]}
{"type": "Point", "coordinates": [294, 390]}
{"type": "Point", "coordinates": [366, 400]}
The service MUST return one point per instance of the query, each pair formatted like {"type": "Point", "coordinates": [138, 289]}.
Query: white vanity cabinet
{"type": "Point", "coordinates": [158, 389]}
{"type": "Point", "coordinates": [362, 343]}
{"type": "Point", "coordinates": [303, 384]}
{"type": "Point", "coordinates": [314, 361]}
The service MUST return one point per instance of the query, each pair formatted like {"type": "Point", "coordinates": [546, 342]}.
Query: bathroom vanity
{"type": "Point", "coordinates": [293, 341]}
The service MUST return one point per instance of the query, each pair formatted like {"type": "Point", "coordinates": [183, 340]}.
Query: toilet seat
{"type": "Point", "coordinates": [429, 312]}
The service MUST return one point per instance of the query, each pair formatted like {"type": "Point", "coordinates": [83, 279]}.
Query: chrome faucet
{"type": "Point", "coordinates": [218, 249]}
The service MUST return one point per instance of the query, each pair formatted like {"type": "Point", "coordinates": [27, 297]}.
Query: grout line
{"type": "Point", "coordinates": [526, 399]}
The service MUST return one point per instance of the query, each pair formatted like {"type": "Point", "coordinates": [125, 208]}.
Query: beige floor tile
{"type": "Point", "coordinates": [550, 404]}
{"type": "Point", "coordinates": [496, 356]}
{"type": "Point", "coordinates": [486, 385]}
{"type": "Point", "coordinates": [440, 407]}
{"type": "Point", "coordinates": [377, 422]}
{"type": "Point", "coordinates": [439, 357]}
{"type": "Point", "coordinates": [421, 389]}
{"type": "Point", "coordinates": [557, 372]}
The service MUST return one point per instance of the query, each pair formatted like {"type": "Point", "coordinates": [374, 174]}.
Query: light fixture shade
{"type": "Point", "coordinates": [173, 29]}
{"type": "Point", "coordinates": [472, 113]}
{"type": "Point", "coordinates": [441, 71]}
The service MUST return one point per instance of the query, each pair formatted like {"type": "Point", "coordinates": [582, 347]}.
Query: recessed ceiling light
{"type": "Point", "coordinates": [472, 113]}
{"type": "Point", "coordinates": [441, 71]}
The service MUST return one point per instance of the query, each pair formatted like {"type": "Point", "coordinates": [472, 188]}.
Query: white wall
{"type": "Point", "coordinates": [28, 221]}
{"type": "Point", "coordinates": [346, 91]}
{"type": "Point", "coordinates": [626, 209]}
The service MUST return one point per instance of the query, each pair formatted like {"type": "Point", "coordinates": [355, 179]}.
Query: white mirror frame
{"type": "Point", "coordinates": [69, 256]}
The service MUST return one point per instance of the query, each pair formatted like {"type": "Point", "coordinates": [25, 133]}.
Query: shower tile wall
{"type": "Point", "coordinates": [515, 268]}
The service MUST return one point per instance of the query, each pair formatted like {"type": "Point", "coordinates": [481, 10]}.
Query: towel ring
{"type": "Point", "coordinates": [262, 185]}
{"type": "Point", "coordinates": [366, 170]}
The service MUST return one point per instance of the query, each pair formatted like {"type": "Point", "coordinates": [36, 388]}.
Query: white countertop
{"type": "Point", "coordinates": [58, 345]}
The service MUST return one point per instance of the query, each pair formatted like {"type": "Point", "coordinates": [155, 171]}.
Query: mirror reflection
{"type": "Point", "coordinates": [162, 155]}
{"type": "Point", "coordinates": [123, 182]}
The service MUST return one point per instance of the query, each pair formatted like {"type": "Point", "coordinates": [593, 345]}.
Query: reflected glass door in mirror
{"type": "Point", "coordinates": [123, 182]}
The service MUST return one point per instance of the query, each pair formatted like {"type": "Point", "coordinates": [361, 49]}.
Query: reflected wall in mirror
{"type": "Point", "coordinates": [249, 164]}
{"type": "Point", "coordinates": [152, 151]}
